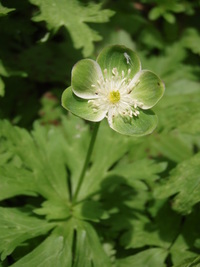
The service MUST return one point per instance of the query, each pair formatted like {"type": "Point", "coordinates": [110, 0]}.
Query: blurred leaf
{"type": "Point", "coordinates": [151, 257]}
{"type": "Point", "coordinates": [3, 70]}
{"type": "Point", "coordinates": [184, 181]}
{"type": "Point", "coordinates": [4, 10]}
{"type": "Point", "coordinates": [73, 16]}
{"type": "Point", "coordinates": [169, 17]}
{"type": "Point", "coordinates": [183, 117]}
{"type": "Point", "coordinates": [186, 244]}
{"type": "Point", "coordinates": [119, 36]}
{"type": "Point", "coordinates": [184, 87]}
{"type": "Point", "coordinates": [2, 86]}
{"type": "Point", "coordinates": [191, 40]}
{"type": "Point", "coordinates": [191, 262]}
{"type": "Point", "coordinates": [163, 9]}
{"type": "Point", "coordinates": [172, 146]}
{"type": "Point", "coordinates": [155, 13]}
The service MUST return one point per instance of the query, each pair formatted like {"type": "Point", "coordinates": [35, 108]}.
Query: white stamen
{"type": "Point", "coordinates": [114, 95]}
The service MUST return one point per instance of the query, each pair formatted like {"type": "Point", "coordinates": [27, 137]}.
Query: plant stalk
{"type": "Point", "coordinates": [87, 160]}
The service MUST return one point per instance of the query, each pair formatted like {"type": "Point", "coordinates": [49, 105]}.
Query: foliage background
{"type": "Point", "coordinates": [139, 205]}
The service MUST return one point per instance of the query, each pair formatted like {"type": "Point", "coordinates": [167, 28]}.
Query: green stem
{"type": "Point", "coordinates": [87, 160]}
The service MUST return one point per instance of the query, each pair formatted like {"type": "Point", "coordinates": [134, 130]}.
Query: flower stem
{"type": "Point", "coordinates": [87, 160]}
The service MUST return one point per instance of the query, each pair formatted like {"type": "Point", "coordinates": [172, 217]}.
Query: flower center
{"type": "Point", "coordinates": [114, 96]}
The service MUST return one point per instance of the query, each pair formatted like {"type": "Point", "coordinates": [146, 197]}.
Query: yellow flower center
{"type": "Point", "coordinates": [114, 96]}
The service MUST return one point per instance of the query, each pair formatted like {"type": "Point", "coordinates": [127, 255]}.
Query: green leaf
{"type": "Point", "coordinates": [3, 70]}
{"type": "Point", "coordinates": [85, 74]}
{"type": "Point", "coordinates": [169, 17]}
{"type": "Point", "coordinates": [2, 86]}
{"type": "Point", "coordinates": [191, 262]}
{"type": "Point", "coordinates": [4, 10]}
{"type": "Point", "coordinates": [184, 181]}
{"type": "Point", "coordinates": [16, 227]}
{"type": "Point", "coordinates": [170, 144]}
{"type": "Point", "coordinates": [183, 87]}
{"type": "Point", "coordinates": [80, 107]}
{"type": "Point", "coordinates": [191, 39]}
{"type": "Point", "coordinates": [73, 16]}
{"type": "Point", "coordinates": [188, 238]}
{"type": "Point", "coordinates": [38, 170]}
{"type": "Point", "coordinates": [109, 149]}
{"type": "Point", "coordinates": [54, 210]}
{"type": "Point", "coordinates": [148, 89]}
{"type": "Point", "coordinates": [89, 210]}
{"type": "Point", "coordinates": [144, 169]}
{"type": "Point", "coordinates": [159, 230]}
{"type": "Point", "coordinates": [155, 13]}
{"type": "Point", "coordinates": [141, 125]}
{"type": "Point", "coordinates": [151, 257]}
{"type": "Point", "coordinates": [120, 57]}
{"type": "Point", "coordinates": [55, 251]}
{"type": "Point", "coordinates": [89, 252]}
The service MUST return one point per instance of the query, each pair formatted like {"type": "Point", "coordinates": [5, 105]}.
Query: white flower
{"type": "Point", "coordinates": [113, 95]}
{"type": "Point", "coordinates": [115, 87]}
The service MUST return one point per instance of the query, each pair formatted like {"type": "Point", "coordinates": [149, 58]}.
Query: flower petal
{"type": "Point", "coordinates": [120, 57]}
{"type": "Point", "coordinates": [85, 74]}
{"type": "Point", "coordinates": [148, 89]}
{"type": "Point", "coordinates": [143, 124]}
{"type": "Point", "coordinates": [80, 107]}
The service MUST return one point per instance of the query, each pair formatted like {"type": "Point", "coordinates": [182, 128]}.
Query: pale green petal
{"type": "Point", "coordinates": [143, 124]}
{"type": "Point", "coordinates": [148, 88]}
{"type": "Point", "coordinates": [85, 74]}
{"type": "Point", "coordinates": [120, 57]}
{"type": "Point", "coordinates": [80, 107]}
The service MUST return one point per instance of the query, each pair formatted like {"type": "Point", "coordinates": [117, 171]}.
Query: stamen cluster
{"type": "Point", "coordinates": [114, 95]}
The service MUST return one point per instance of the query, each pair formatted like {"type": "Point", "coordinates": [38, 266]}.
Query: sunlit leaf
{"type": "Point", "coordinates": [184, 183]}
{"type": "Point", "coordinates": [73, 16]}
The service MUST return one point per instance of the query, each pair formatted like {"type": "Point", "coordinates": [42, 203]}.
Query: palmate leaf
{"type": "Point", "coordinates": [16, 227]}
{"type": "Point", "coordinates": [72, 15]}
{"type": "Point", "coordinates": [184, 181]}
{"type": "Point", "coordinates": [37, 170]}
{"type": "Point", "coordinates": [35, 164]}
{"type": "Point", "coordinates": [56, 250]}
